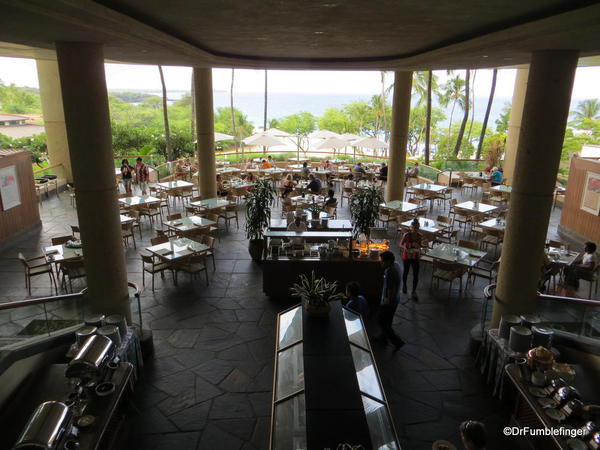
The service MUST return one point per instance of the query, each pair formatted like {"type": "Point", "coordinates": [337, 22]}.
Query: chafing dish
{"type": "Point", "coordinates": [91, 359]}
{"type": "Point", "coordinates": [47, 428]}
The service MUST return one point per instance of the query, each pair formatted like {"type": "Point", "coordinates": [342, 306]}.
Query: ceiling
{"type": "Point", "coordinates": [306, 34]}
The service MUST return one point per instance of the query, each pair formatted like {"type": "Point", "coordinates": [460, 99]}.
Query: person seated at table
{"type": "Point", "coordinates": [327, 165]}
{"type": "Point", "coordinates": [271, 161]}
{"type": "Point", "coordinates": [250, 178]}
{"type": "Point", "coordinates": [249, 164]}
{"type": "Point", "coordinates": [298, 226]}
{"type": "Point", "coordinates": [356, 302]}
{"type": "Point", "coordinates": [383, 172]}
{"type": "Point", "coordinates": [330, 200]}
{"type": "Point", "coordinates": [288, 186]}
{"type": "Point", "coordinates": [497, 176]}
{"type": "Point", "coordinates": [265, 164]}
{"type": "Point", "coordinates": [359, 170]}
{"type": "Point", "coordinates": [305, 170]}
{"type": "Point", "coordinates": [222, 191]}
{"type": "Point", "coordinates": [412, 174]}
{"type": "Point", "coordinates": [350, 183]}
{"type": "Point", "coordinates": [584, 266]}
{"type": "Point", "coordinates": [314, 184]}
{"type": "Point", "coordinates": [472, 434]}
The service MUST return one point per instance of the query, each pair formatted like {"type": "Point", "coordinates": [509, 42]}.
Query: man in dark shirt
{"type": "Point", "coordinates": [356, 301]}
{"type": "Point", "coordinates": [383, 172]}
{"type": "Point", "coordinates": [314, 185]}
{"type": "Point", "coordinates": [389, 299]}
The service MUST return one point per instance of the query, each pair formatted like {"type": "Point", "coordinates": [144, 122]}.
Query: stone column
{"type": "Point", "coordinates": [85, 101]}
{"type": "Point", "coordinates": [54, 116]}
{"type": "Point", "coordinates": [514, 123]}
{"type": "Point", "coordinates": [545, 115]}
{"type": "Point", "coordinates": [394, 189]}
{"type": "Point", "coordinates": [205, 128]}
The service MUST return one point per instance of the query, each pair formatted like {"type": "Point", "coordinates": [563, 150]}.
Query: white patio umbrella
{"type": "Point", "coordinates": [222, 137]}
{"type": "Point", "coordinates": [369, 142]}
{"type": "Point", "coordinates": [332, 142]}
{"type": "Point", "coordinates": [262, 139]}
{"type": "Point", "coordinates": [324, 134]}
{"type": "Point", "coordinates": [277, 133]}
{"type": "Point", "coordinates": [350, 137]}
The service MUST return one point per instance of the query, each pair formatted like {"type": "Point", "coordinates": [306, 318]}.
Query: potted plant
{"type": "Point", "coordinates": [258, 216]}
{"type": "Point", "coordinates": [364, 208]}
{"type": "Point", "coordinates": [315, 209]}
{"type": "Point", "coordinates": [315, 294]}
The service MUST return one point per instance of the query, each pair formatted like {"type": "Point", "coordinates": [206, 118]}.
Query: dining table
{"type": "Point", "coordinates": [502, 188]}
{"type": "Point", "coordinates": [475, 207]}
{"type": "Point", "coordinates": [212, 203]}
{"type": "Point", "coordinates": [428, 225]}
{"type": "Point", "coordinates": [57, 253]}
{"type": "Point", "coordinates": [455, 254]}
{"type": "Point", "coordinates": [308, 199]}
{"type": "Point", "coordinates": [561, 256]}
{"type": "Point", "coordinates": [176, 249]}
{"type": "Point", "coordinates": [400, 206]}
{"type": "Point", "coordinates": [176, 184]}
{"type": "Point", "coordinates": [494, 224]}
{"type": "Point", "coordinates": [138, 200]}
{"type": "Point", "coordinates": [189, 223]}
{"type": "Point", "coordinates": [126, 219]}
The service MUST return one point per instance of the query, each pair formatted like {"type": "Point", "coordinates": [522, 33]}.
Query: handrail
{"type": "Point", "coordinates": [37, 301]}
{"type": "Point", "coordinates": [488, 293]}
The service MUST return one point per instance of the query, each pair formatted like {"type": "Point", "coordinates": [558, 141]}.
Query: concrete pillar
{"type": "Point", "coordinates": [205, 128]}
{"type": "Point", "coordinates": [85, 101]}
{"type": "Point", "coordinates": [394, 189]}
{"type": "Point", "coordinates": [54, 116]}
{"type": "Point", "coordinates": [514, 123]}
{"type": "Point", "coordinates": [545, 115]}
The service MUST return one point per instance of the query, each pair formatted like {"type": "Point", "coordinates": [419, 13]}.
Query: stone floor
{"type": "Point", "coordinates": [208, 385]}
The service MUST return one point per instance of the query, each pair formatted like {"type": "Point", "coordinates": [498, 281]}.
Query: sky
{"type": "Point", "coordinates": [22, 72]}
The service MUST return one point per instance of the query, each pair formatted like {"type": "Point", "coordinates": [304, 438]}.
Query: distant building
{"type": "Point", "coordinates": [9, 120]}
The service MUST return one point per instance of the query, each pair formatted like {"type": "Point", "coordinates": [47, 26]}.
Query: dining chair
{"type": "Point", "coordinates": [447, 271]}
{"type": "Point", "coordinates": [192, 264]}
{"type": "Point", "coordinates": [127, 233]}
{"type": "Point", "coordinates": [37, 266]}
{"type": "Point", "coordinates": [174, 217]}
{"type": "Point", "coordinates": [136, 222]}
{"type": "Point", "coordinates": [153, 265]}
{"type": "Point", "coordinates": [59, 240]}
{"type": "Point", "coordinates": [209, 241]}
{"type": "Point", "coordinates": [159, 240]}
{"type": "Point", "coordinates": [75, 232]}
{"type": "Point", "coordinates": [468, 244]}
{"type": "Point", "coordinates": [72, 269]}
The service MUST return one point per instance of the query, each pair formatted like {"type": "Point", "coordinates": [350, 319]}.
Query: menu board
{"type": "Point", "coordinates": [590, 199]}
{"type": "Point", "coordinates": [9, 188]}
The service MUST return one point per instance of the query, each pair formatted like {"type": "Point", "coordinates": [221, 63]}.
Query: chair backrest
{"type": "Point", "coordinates": [444, 265]}
{"type": "Point", "coordinates": [468, 244]}
{"type": "Point", "coordinates": [22, 259]}
{"type": "Point", "coordinates": [213, 217]}
{"type": "Point", "coordinates": [159, 240]}
{"type": "Point", "coordinates": [147, 258]}
{"type": "Point", "coordinates": [61, 240]}
{"type": "Point", "coordinates": [74, 229]}
{"type": "Point", "coordinates": [556, 244]}
{"type": "Point", "coordinates": [174, 216]}
{"type": "Point", "coordinates": [207, 240]}
{"type": "Point", "coordinates": [133, 213]}
{"type": "Point", "coordinates": [444, 219]}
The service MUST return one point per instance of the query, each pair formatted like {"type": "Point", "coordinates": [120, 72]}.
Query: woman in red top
{"type": "Point", "coordinates": [411, 245]}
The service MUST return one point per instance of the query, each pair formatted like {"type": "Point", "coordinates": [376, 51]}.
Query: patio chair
{"type": "Point", "coordinates": [447, 238]}
{"type": "Point", "coordinates": [136, 222]}
{"type": "Point", "coordinates": [37, 266]}
{"type": "Point", "coordinates": [173, 217]}
{"type": "Point", "coordinates": [75, 232]}
{"type": "Point", "coordinates": [484, 268]}
{"type": "Point", "coordinates": [209, 241]}
{"type": "Point", "coordinates": [229, 213]}
{"type": "Point", "coordinates": [449, 272]}
{"type": "Point", "coordinates": [212, 230]}
{"type": "Point", "coordinates": [151, 210]}
{"type": "Point", "coordinates": [387, 216]}
{"type": "Point", "coordinates": [164, 201]}
{"type": "Point", "coordinates": [151, 265]}
{"type": "Point", "coordinates": [332, 210]}
{"type": "Point", "coordinates": [346, 193]}
{"type": "Point", "coordinates": [492, 238]}
{"type": "Point", "coordinates": [72, 269]}
{"type": "Point", "coordinates": [127, 233]}
{"type": "Point", "coordinates": [557, 244]}
{"type": "Point", "coordinates": [159, 240]}
{"type": "Point", "coordinates": [591, 277]}
{"type": "Point", "coordinates": [60, 240]}
{"type": "Point", "coordinates": [193, 264]}
{"type": "Point", "coordinates": [468, 244]}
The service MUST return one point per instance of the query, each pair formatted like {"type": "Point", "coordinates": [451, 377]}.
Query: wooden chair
{"type": "Point", "coordinates": [468, 244]}
{"type": "Point", "coordinates": [209, 241]}
{"type": "Point", "coordinates": [159, 240]}
{"type": "Point", "coordinates": [136, 223]}
{"type": "Point", "coordinates": [484, 269]}
{"type": "Point", "coordinates": [332, 210]}
{"type": "Point", "coordinates": [387, 216]}
{"type": "Point", "coordinates": [346, 193]}
{"type": "Point", "coordinates": [212, 230]}
{"type": "Point", "coordinates": [173, 217]}
{"type": "Point", "coordinates": [60, 240]}
{"type": "Point", "coordinates": [151, 210]}
{"type": "Point", "coordinates": [458, 217]}
{"type": "Point", "coordinates": [557, 244]}
{"type": "Point", "coordinates": [193, 264]}
{"type": "Point", "coordinates": [75, 232]}
{"type": "Point", "coordinates": [127, 232]}
{"type": "Point", "coordinates": [37, 266]}
{"type": "Point", "coordinates": [449, 238]}
{"type": "Point", "coordinates": [229, 213]}
{"type": "Point", "coordinates": [151, 265]}
{"type": "Point", "coordinates": [592, 277]}
{"type": "Point", "coordinates": [492, 238]}
{"type": "Point", "coordinates": [164, 202]}
{"type": "Point", "coordinates": [449, 272]}
{"type": "Point", "coordinates": [72, 269]}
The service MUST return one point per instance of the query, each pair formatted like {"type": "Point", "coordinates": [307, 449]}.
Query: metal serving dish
{"type": "Point", "coordinates": [47, 428]}
{"type": "Point", "coordinates": [91, 359]}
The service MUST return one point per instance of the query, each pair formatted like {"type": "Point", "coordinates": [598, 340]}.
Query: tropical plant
{"type": "Point", "coordinates": [316, 292]}
{"type": "Point", "coordinates": [487, 114]}
{"type": "Point", "coordinates": [258, 209]}
{"type": "Point", "coordinates": [453, 92]}
{"type": "Point", "coordinates": [586, 110]}
{"type": "Point", "coordinates": [315, 209]}
{"type": "Point", "coordinates": [502, 121]}
{"type": "Point", "coordinates": [494, 149]}
{"type": "Point", "coordinates": [232, 110]}
{"type": "Point", "coordinates": [364, 208]}
{"type": "Point", "coordinates": [464, 102]}
{"type": "Point", "coordinates": [428, 116]}
{"type": "Point", "coordinates": [168, 149]}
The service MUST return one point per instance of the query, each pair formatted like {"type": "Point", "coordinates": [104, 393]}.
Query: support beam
{"type": "Point", "coordinates": [54, 116]}
{"type": "Point", "coordinates": [205, 127]}
{"type": "Point", "coordinates": [545, 115]}
{"type": "Point", "coordinates": [514, 124]}
{"type": "Point", "coordinates": [394, 189]}
{"type": "Point", "coordinates": [85, 101]}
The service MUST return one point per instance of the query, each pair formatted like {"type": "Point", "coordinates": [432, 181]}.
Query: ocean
{"type": "Point", "coordinates": [284, 104]}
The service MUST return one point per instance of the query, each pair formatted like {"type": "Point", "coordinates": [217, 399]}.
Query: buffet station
{"type": "Point", "coordinates": [327, 392]}
{"type": "Point", "coordinates": [79, 404]}
{"type": "Point", "coordinates": [329, 253]}
{"type": "Point", "coordinates": [522, 363]}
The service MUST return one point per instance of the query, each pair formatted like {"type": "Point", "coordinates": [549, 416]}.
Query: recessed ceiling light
{"type": "Point", "coordinates": [329, 5]}
{"type": "Point", "coordinates": [484, 56]}
{"type": "Point", "coordinates": [319, 32]}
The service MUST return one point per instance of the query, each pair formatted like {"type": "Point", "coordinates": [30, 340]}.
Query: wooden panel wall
{"type": "Point", "coordinates": [27, 214]}
{"type": "Point", "coordinates": [573, 217]}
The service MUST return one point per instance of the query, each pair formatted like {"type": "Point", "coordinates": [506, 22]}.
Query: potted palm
{"type": "Point", "coordinates": [258, 216]}
{"type": "Point", "coordinates": [315, 294]}
{"type": "Point", "coordinates": [364, 208]}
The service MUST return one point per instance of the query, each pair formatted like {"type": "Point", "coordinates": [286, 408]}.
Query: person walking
{"type": "Point", "coordinates": [126, 175]}
{"type": "Point", "coordinates": [142, 175]}
{"type": "Point", "coordinates": [411, 245]}
{"type": "Point", "coordinates": [389, 299]}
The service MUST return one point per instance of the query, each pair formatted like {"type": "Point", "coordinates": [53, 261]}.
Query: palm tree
{"type": "Point", "coordinates": [487, 114]}
{"type": "Point", "coordinates": [428, 117]}
{"type": "Point", "coordinates": [232, 110]}
{"type": "Point", "coordinates": [472, 106]}
{"type": "Point", "coordinates": [385, 128]}
{"type": "Point", "coordinates": [420, 86]}
{"type": "Point", "coordinates": [463, 125]}
{"type": "Point", "coordinates": [587, 110]}
{"type": "Point", "coordinates": [453, 92]}
{"type": "Point", "coordinates": [166, 115]}
{"type": "Point", "coordinates": [193, 122]}
{"type": "Point", "coordinates": [265, 113]}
